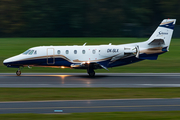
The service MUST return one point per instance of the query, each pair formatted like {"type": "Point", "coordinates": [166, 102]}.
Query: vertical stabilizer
{"type": "Point", "coordinates": [163, 34]}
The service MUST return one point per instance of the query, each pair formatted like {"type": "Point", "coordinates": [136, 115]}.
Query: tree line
{"type": "Point", "coordinates": [82, 18]}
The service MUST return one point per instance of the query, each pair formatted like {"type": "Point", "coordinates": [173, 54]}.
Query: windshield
{"type": "Point", "coordinates": [26, 52]}
{"type": "Point", "coordinates": [30, 53]}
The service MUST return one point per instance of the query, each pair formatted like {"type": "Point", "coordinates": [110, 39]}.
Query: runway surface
{"type": "Point", "coordinates": [76, 106]}
{"type": "Point", "coordinates": [74, 80]}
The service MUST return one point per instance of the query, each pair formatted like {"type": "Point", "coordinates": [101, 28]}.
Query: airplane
{"type": "Point", "coordinates": [96, 56]}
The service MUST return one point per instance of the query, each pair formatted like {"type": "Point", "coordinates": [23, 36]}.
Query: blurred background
{"type": "Point", "coordinates": [85, 18]}
{"type": "Point", "coordinates": [29, 23]}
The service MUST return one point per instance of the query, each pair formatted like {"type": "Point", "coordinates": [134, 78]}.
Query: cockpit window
{"type": "Point", "coordinates": [30, 53]}
{"type": "Point", "coordinates": [26, 52]}
{"type": "Point", "coordinates": [35, 52]}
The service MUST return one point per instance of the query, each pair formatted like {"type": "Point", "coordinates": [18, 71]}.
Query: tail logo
{"type": "Point", "coordinates": [162, 33]}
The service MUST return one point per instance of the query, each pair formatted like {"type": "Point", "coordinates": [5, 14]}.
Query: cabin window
{"type": "Point", "coordinates": [58, 52]}
{"type": "Point", "coordinates": [75, 51]}
{"type": "Point", "coordinates": [94, 51]}
{"type": "Point", "coordinates": [30, 53]}
{"type": "Point", "coordinates": [26, 52]}
{"type": "Point", "coordinates": [35, 52]}
{"type": "Point", "coordinates": [67, 51]}
{"type": "Point", "coordinates": [83, 51]}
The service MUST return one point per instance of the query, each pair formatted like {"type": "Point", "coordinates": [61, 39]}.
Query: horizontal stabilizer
{"type": "Point", "coordinates": [157, 42]}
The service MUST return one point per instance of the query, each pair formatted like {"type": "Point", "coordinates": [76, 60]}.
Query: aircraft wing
{"type": "Point", "coordinates": [85, 65]}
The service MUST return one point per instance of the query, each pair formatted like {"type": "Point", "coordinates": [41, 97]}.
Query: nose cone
{"type": "Point", "coordinates": [6, 62]}
{"type": "Point", "coordinates": [11, 61]}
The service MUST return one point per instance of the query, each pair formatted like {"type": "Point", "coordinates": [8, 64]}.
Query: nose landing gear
{"type": "Point", "coordinates": [18, 72]}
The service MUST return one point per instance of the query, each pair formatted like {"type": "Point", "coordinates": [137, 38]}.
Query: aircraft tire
{"type": "Point", "coordinates": [91, 74]}
{"type": "Point", "coordinates": [18, 73]}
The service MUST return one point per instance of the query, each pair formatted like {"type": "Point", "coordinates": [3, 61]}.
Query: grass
{"type": "Point", "coordinates": [33, 94]}
{"type": "Point", "coordinates": [166, 63]}
{"type": "Point", "coordinates": [155, 115]}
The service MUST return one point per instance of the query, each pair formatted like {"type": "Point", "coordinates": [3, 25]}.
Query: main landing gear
{"type": "Point", "coordinates": [18, 72]}
{"type": "Point", "coordinates": [90, 71]}
{"type": "Point", "coordinates": [91, 74]}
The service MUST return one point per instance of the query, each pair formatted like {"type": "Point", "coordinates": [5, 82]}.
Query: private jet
{"type": "Point", "coordinates": [96, 56]}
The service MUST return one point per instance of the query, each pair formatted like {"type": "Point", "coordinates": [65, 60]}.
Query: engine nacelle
{"type": "Point", "coordinates": [117, 52]}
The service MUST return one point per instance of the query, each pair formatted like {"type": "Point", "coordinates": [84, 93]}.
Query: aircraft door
{"type": "Point", "coordinates": [50, 56]}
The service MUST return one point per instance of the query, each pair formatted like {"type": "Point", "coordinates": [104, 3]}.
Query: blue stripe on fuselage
{"type": "Point", "coordinates": [133, 59]}
{"type": "Point", "coordinates": [40, 62]}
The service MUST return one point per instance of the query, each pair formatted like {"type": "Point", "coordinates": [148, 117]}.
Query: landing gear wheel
{"type": "Point", "coordinates": [91, 74]}
{"type": "Point", "coordinates": [18, 73]}
{"type": "Point", "coordinates": [90, 70]}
